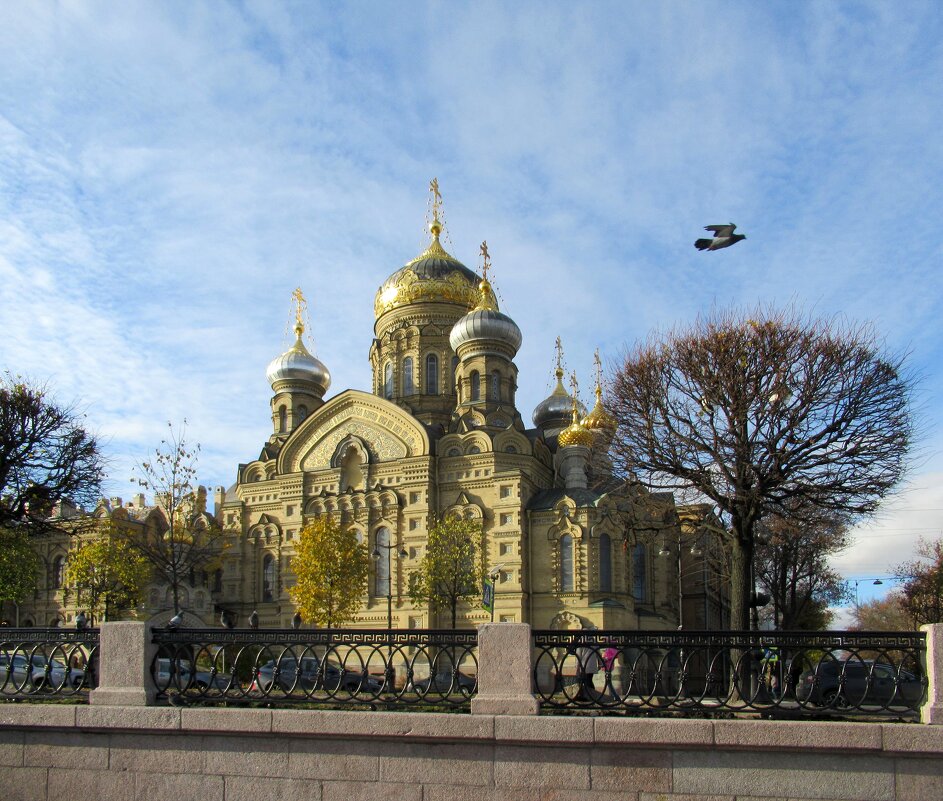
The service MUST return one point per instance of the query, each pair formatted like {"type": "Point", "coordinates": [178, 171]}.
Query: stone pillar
{"type": "Point", "coordinates": [505, 670]}
{"type": "Point", "coordinates": [932, 711]}
{"type": "Point", "coordinates": [573, 466]}
{"type": "Point", "coordinates": [124, 661]}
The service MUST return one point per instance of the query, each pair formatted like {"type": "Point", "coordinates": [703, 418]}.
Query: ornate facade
{"type": "Point", "coordinates": [438, 434]}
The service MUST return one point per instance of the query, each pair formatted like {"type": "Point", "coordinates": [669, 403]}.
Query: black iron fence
{"type": "Point", "coordinates": [320, 667]}
{"type": "Point", "coordinates": [852, 673]}
{"type": "Point", "coordinates": [48, 663]}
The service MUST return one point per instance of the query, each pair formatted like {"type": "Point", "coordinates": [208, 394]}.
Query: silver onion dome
{"type": "Point", "coordinates": [556, 411]}
{"type": "Point", "coordinates": [485, 324]}
{"type": "Point", "coordinates": [297, 365]}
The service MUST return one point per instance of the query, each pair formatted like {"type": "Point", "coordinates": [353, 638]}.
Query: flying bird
{"type": "Point", "coordinates": [724, 237]}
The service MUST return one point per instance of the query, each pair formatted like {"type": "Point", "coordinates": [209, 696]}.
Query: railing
{"type": "Point", "coordinates": [786, 673]}
{"type": "Point", "coordinates": [320, 667]}
{"type": "Point", "coordinates": [47, 663]}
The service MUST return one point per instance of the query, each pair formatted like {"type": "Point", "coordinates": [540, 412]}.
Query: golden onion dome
{"type": "Point", "coordinates": [599, 419]}
{"type": "Point", "coordinates": [575, 434]}
{"type": "Point", "coordinates": [433, 276]}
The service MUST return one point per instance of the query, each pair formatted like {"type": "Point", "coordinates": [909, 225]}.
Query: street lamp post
{"type": "Point", "coordinates": [389, 576]}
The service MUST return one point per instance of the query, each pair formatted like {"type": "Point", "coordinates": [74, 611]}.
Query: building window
{"type": "Point", "coordinates": [268, 578]}
{"type": "Point", "coordinates": [282, 419]}
{"type": "Point", "coordinates": [388, 381]}
{"type": "Point", "coordinates": [383, 562]}
{"type": "Point", "coordinates": [507, 518]}
{"type": "Point", "coordinates": [496, 386]}
{"type": "Point", "coordinates": [302, 413]}
{"type": "Point", "coordinates": [455, 371]}
{"type": "Point", "coordinates": [432, 374]}
{"type": "Point", "coordinates": [218, 580]}
{"type": "Point", "coordinates": [475, 386]}
{"type": "Point", "coordinates": [58, 571]}
{"type": "Point", "coordinates": [605, 563]}
{"type": "Point", "coordinates": [639, 574]}
{"type": "Point", "coordinates": [505, 492]}
{"type": "Point", "coordinates": [408, 375]}
{"type": "Point", "coordinates": [566, 563]}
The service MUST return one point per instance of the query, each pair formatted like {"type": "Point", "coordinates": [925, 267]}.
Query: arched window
{"type": "Point", "coordinates": [605, 563]}
{"type": "Point", "coordinates": [639, 574]}
{"type": "Point", "coordinates": [408, 375]}
{"type": "Point", "coordinates": [58, 571]}
{"type": "Point", "coordinates": [496, 386]}
{"type": "Point", "coordinates": [388, 381]}
{"type": "Point", "coordinates": [432, 374]}
{"type": "Point", "coordinates": [383, 562]}
{"type": "Point", "coordinates": [268, 578]}
{"type": "Point", "coordinates": [302, 413]}
{"type": "Point", "coordinates": [475, 386]}
{"type": "Point", "coordinates": [454, 371]}
{"type": "Point", "coordinates": [566, 563]}
{"type": "Point", "coordinates": [218, 580]}
{"type": "Point", "coordinates": [282, 419]}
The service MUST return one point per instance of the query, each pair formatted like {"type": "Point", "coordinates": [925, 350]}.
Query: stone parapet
{"type": "Point", "coordinates": [505, 671]}
{"type": "Point", "coordinates": [125, 653]}
{"type": "Point", "coordinates": [133, 752]}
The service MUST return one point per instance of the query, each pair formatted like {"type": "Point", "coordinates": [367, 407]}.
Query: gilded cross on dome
{"type": "Point", "coordinates": [598, 362]}
{"type": "Point", "coordinates": [436, 198]}
{"type": "Point", "coordinates": [486, 260]}
{"type": "Point", "coordinates": [301, 306]}
{"type": "Point", "coordinates": [559, 347]}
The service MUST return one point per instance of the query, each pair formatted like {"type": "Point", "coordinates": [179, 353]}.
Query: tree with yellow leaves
{"type": "Point", "coordinates": [450, 571]}
{"type": "Point", "coordinates": [107, 574]}
{"type": "Point", "coordinates": [331, 569]}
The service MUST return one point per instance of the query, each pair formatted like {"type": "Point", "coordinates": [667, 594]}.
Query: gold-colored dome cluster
{"type": "Point", "coordinates": [576, 433]}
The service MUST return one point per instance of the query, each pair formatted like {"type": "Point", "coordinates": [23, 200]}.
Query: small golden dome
{"type": "Point", "coordinates": [599, 419]}
{"type": "Point", "coordinates": [575, 435]}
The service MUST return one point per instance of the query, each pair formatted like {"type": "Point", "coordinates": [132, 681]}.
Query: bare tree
{"type": "Point", "coordinates": [792, 567]}
{"type": "Point", "coordinates": [46, 455]}
{"type": "Point", "coordinates": [180, 540]}
{"type": "Point", "coordinates": [764, 415]}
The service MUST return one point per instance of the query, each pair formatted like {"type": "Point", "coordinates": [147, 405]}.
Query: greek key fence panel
{"type": "Point", "coordinates": [875, 674]}
{"type": "Point", "coordinates": [377, 668]}
{"type": "Point", "coordinates": [47, 663]}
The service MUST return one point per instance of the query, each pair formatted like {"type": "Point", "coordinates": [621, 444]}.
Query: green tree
{"type": "Point", "coordinates": [46, 455]}
{"type": "Point", "coordinates": [182, 540]}
{"type": "Point", "coordinates": [761, 416]}
{"type": "Point", "coordinates": [19, 565]}
{"type": "Point", "coordinates": [450, 571]}
{"type": "Point", "coordinates": [922, 587]}
{"type": "Point", "coordinates": [331, 570]}
{"type": "Point", "coordinates": [108, 574]}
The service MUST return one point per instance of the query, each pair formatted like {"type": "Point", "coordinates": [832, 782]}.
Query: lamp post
{"type": "Point", "coordinates": [389, 576]}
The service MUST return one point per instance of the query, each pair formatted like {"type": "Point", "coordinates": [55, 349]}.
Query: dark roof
{"type": "Point", "coordinates": [548, 498]}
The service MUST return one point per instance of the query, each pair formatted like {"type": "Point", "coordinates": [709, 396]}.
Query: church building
{"type": "Point", "coordinates": [438, 433]}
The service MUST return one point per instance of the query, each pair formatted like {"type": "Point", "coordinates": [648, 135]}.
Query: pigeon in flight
{"type": "Point", "coordinates": [724, 237]}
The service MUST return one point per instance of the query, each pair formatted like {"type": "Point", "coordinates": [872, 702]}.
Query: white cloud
{"type": "Point", "coordinates": [168, 174]}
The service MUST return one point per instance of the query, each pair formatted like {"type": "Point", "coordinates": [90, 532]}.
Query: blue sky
{"type": "Point", "coordinates": [170, 171]}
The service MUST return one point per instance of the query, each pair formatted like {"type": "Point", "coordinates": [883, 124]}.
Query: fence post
{"type": "Point", "coordinates": [932, 710]}
{"type": "Point", "coordinates": [125, 654]}
{"type": "Point", "coordinates": [505, 670]}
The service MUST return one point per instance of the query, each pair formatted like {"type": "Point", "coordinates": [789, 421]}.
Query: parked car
{"type": "Point", "coordinates": [288, 675]}
{"type": "Point", "coordinates": [445, 683]}
{"type": "Point", "coordinates": [843, 683]}
{"type": "Point", "coordinates": [179, 674]}
{"type": "Point", "coordinates": [36, 671]}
